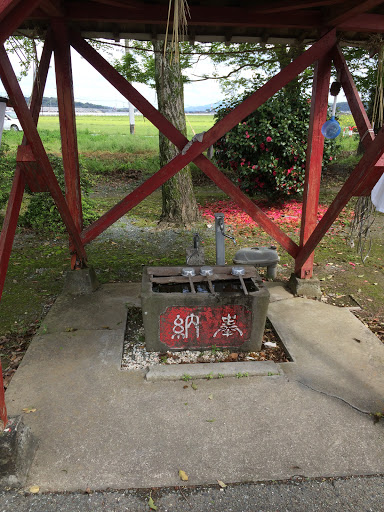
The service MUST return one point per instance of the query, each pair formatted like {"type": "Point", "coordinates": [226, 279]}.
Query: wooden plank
{"type": "Point", "coordinates": [12, 87]}
{"type": "Point", "coordinates": [16, 15]}
{"type": "Point", "coordinates": [27, 162]}
{"type": "Point", "coordinates": [67, 117]}
{"type": "Point", "coordinates": [362, 171]}
{"type": "Point", "coordinates": [200, 15]}
{"type": "Point", "coordinates": [314, 158]}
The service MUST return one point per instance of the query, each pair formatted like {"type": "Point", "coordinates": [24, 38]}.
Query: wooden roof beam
{"type": "Point", "coordinates": [15, 16]}
{"type": "Point", "coordinates": [359, 7]}
{"type": "Point", "coordinates": [6, 6]}
{"type": "Point", "coordinates": [203, 16]}
{"type": "Point", "coordinates": [294, 5]}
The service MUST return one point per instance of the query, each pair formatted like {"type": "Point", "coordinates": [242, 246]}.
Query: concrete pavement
{"type": "Point", "coordinates": [100, 427]}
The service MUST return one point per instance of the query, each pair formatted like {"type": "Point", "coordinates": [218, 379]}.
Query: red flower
{"type": "Point", "coordinates": [269, 139]}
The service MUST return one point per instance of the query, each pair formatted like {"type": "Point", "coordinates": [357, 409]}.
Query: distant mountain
{"type": "Point", "coordinates": [210, 107]}
{"type": "Point", "coordinates": [52, 102]}
{"type": "Point", "coordinates": [343, 107]}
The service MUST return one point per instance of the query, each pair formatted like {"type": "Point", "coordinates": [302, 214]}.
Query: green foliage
{"type": "Point", "coordinates": [7, 170]}
{"type": "Point", "coordinates": [267, 150]}
{"type": "Point", "coordinates": [42, 214]}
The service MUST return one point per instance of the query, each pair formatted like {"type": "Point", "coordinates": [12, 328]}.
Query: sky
{"type": "Point", "coordinates": [90, 86]}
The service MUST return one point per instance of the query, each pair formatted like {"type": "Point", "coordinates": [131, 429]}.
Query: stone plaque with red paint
{"type": "Point", "coordinates": [201, 327]}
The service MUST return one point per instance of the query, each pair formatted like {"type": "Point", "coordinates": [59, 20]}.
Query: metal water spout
{"type": "Point", "coordinates": [220, 238]}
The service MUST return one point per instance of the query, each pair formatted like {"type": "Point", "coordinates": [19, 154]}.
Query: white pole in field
{"type": "Point", "coordinates": [131, 107]}
{"type": "Point", "coordinates": [3, 104]}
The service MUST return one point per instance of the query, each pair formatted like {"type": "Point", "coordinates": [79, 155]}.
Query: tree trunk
{"type": "Point", "coordinates": [179, 202]}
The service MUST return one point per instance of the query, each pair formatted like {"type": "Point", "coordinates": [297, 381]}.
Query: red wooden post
{"type": "Point", "coordinates": [66, 104]}
{"type": "Point", "coordinates": [314, 158]}
{"type": "Point", "coordinates": [12, 87]}
{"type": "Point", "coordinates": [67, 116]}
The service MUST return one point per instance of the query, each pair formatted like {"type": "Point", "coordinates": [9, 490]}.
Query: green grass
{"type": "Point", "coordinates": [108, 134]}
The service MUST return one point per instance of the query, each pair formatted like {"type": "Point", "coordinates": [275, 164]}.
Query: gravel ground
{"type": "Point", "coordinates": [356, 494]}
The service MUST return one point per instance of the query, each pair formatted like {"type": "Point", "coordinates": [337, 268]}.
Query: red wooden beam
{"type": "Point", "coordinates": [25, 154]}
{"type": "Point", "coordinates": [363, 23]}
{"type": "Point", "coordinates": [6, 6]}
{"type": "Point", "coordinates": [14, 202]}
{"type": "Point", "coordinates": [10, 223]}
{"type": "Point", "coordinates": [12, 87]}
{"type": "Point", "coordinates": [355, 104]}
{"type": "Point", "coordinates": [66, 104]}
{"type": "Point", "coordinates": [256, 99]}
{"type": "Point", "coordinates": [362, 171]}
{"type": "Point", "coordinates": [127, 90]}
{"type": "Point", "coordinates": [212, 135]}
{"type": "Point", "coordinates": [226, 185]}
{"type": "Point", "coordinates": [294, 5]}
{"type": "Point", "coordinates": [361, 119]}
{"type": "Point", "coordinates": [200, 15]}
{"type": "Point", "coordinates": [15, 17]}
{"type": "Point", "coordinates": [40, 80]}
{"type": "Point", "coordinates": [344, 15]}
{"type": "Point", "coordinates": [314, 158]}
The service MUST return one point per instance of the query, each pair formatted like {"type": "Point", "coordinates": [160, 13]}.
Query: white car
{"type": "Point", "coordinates": [11, 122]}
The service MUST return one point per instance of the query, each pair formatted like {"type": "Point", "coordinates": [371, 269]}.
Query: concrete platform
{"type": "Point", "coordinates": [100, 427]}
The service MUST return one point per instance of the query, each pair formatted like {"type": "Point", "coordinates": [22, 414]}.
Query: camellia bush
{"type": "Point", "coordinates": [267, 151]}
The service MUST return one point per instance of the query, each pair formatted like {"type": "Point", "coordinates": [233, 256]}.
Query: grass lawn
{"type": "Point", "coordinates": [117, 162]}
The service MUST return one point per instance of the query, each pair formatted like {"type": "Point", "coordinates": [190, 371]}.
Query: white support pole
{"type": "Point", "coordinates": [131, 107]}
{"type": "Point", "coordinates": [3, 104]}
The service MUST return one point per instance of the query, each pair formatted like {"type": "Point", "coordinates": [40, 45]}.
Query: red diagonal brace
{"type": "Point", "coordinates": [10, 222]}
{"type": "Point", "coordinates": [13, 89]}
{"type": "Point", "coordinates": [179, 140]}
{"type": "Point", "coordinates": [25, 154]}
{"type": "Point", "coordinates": [362, 171]}
{"type": "Point", "coordinates": [6, 6]}
{"type": "Point", "coordinates": [361, 119]}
